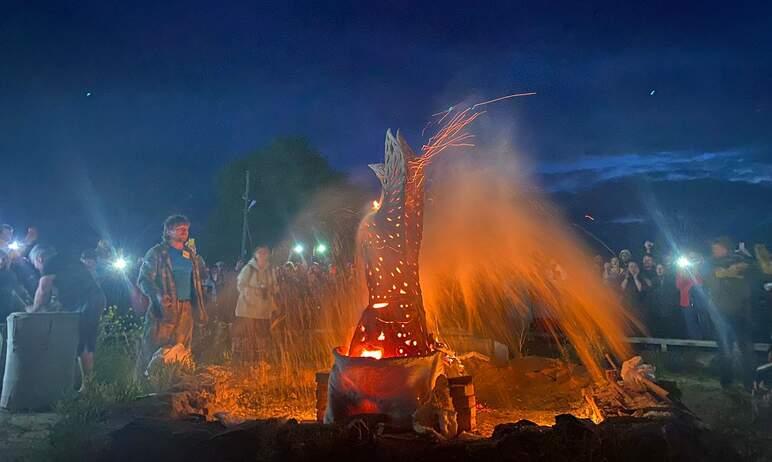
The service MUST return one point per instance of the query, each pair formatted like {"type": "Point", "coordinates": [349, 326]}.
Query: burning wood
{"type": "Point", "coordinates": [394, 323]}
{"type": "Point", "coordinates": [393, 361]}
{"type": "Point", "coordinates": [634, 393]}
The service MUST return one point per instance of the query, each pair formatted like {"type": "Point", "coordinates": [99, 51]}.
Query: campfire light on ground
{"type": "Point", "coordinates": [482, 252]}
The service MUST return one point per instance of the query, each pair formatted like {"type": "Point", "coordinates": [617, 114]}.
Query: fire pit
{"type": "Point", "coordinates": [394, 387]}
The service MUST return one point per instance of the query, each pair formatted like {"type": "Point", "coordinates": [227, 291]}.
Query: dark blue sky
{"type": "Point", "coordinates": [108, 106]}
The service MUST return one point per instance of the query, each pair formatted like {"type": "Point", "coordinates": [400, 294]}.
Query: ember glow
{"type": "Point", "coordinates": [390, 238]}
{"type": "Point", "coordinates": [485, 269]}
{"type": "Point", "coordinates": [487, 264]}
{"type": "Point", "coordinates": [377, 354]}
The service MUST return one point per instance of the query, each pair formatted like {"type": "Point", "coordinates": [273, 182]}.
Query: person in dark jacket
{"type": "Point", "coordinates": [14, 297]}
{"type": "Point", "coordinates": [730, 308]}
{"type": "Point", "coordinates": [73, 287]}
{"type": "Point", "coordinates": [663, 317]}
{"type": "Point", "coordinates": [171, 278]}
{"type": "Point", "coordinates": [634, 288]}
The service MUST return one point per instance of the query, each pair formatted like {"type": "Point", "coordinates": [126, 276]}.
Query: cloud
{"type": "Point", "coordinates": [585, 172]}
{"type": "Point", "coordinates": [626, 220]}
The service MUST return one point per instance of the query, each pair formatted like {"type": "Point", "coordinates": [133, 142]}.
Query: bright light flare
{"type": "Point", "coordinates": [683, 262]}
{"type": "Point", "coordinates": [321, 249]}
{"type": "Point", "coordinates": [376, 205]}
{"type": "Point", "coordinates": [120, 264]}
{"type": "Point", "coordinates": [15, 245]}
{"type": "Point", "coordinates": [298, 248]}
{"type": "Point", "coordinates": [377, 354]}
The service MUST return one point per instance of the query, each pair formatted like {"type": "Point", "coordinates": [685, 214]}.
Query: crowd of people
{"type": "Point", "coordinates": [725, 297]}
{"type": "Point", "coordinates": [675, 296]}
{"type": "Point", "coordinates": [171, 287]}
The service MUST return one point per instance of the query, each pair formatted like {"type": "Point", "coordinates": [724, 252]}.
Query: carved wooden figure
{"type": "Point", "coordinates": [394, 322]}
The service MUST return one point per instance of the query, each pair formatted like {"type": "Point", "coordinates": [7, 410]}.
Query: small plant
{"type": "Point", "coordinates": [113, 382]}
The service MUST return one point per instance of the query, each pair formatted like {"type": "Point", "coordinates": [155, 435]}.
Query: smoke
{"type": "Point", "coordinates": [496, 256]}
{"type": "Point", "coordinates": [497, 259]}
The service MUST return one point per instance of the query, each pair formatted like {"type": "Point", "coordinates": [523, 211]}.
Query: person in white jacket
{"type": "Point", "coordinates": [257, 301]}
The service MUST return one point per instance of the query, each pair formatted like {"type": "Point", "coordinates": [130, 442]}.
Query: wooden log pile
{"type": "Point", "coordinates": [616, 398]}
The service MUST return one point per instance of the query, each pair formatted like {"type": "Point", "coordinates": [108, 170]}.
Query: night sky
{"type": "Point", "coordinates": [113, 114]}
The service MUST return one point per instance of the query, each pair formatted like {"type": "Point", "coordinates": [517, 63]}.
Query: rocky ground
{"type": "Point", "coordinates": [536, 389]}
{"type": "Point", "coordinates": [569, 439]}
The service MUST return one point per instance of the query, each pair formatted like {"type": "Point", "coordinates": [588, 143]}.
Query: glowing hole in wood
{"type": "Point", "coordinates": [382, 336]}
{"type": "Point", "coordinates": [381, 305]}
{"type": "Point", "coordinates": [377, 354]}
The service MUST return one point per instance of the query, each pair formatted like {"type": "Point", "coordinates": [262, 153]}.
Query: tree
{"type": "Point", "coordinates": [286, 176]}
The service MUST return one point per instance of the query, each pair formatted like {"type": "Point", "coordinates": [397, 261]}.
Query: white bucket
{"type": "Point", "coordinates": [40, 359]}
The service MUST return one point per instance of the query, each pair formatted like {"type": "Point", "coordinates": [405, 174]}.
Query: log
{"type": "Point", "coordinates": [656, 389]}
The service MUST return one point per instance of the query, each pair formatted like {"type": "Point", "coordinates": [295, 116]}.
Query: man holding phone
{"type": "Point", "coordinates": [170, 277]}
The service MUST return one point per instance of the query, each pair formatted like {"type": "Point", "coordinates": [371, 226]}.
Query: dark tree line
{"type": "Point", "coordinates": [288, 176]}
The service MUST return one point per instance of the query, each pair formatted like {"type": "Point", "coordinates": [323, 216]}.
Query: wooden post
{"type": "Point", "coordinates": [322, 380]}
{"type": "Point", "coordinates": [464, 402]}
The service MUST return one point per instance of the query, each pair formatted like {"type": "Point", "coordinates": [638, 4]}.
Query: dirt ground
{"type": "Point", "coordinates": [535, 389]}
{"type": "Point", "coordinates": [726, 412]}
{"type": "Point", "coordinates": [532, 388]}
{"type": "Point", "coordinates": [22, 433]}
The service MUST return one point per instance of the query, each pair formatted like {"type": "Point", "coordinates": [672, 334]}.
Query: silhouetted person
{"type": "Point", "coordinates": [688, 283]}
{"type": "Point", "coordinates": [634, 288]}
{"type": "Point", "coordinates": [613, 273]}
{"type": "Point", "coordinates": [625, 257]}
{"type": "Point", "coordinates": [648, 249]}
{"type": "Point", "coordinates": [730, 308]}
{"type": "Point", "coordinates": [76, 292]}
{"type": "Point", "coordinates": [661, 304]}
{"type": "Point", "coordinates": [649, 267]}
{"type": "Point", "coordinates": [89, 260]}
{"type": "Point", "coordinates": [597, 262]}
{"type": "Point", "coordinates": [14, 297]}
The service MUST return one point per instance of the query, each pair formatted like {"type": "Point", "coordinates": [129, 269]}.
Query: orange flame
{"type": "Point", "coordinates": [377, 354]}
{"type": "Point", "coordinates": [496, 258]}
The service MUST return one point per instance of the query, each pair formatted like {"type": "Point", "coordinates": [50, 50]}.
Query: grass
{"type": "Point", "coordinates": [115, 381]}
{"type": "Point", "coordinates": [727, 412]}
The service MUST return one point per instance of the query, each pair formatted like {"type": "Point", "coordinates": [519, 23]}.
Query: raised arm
{"type": "Point", "coordinates": [42, 294]}
{"type": "Point", "coordinates": [243, 279]}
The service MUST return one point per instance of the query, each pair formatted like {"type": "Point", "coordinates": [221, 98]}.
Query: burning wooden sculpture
{"type": "Point", "coordinates": [391, 365]}
{"type": "Point", "coordinates": [394, 323]}
{"type": "Point", "coordinates": [392, 362]}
